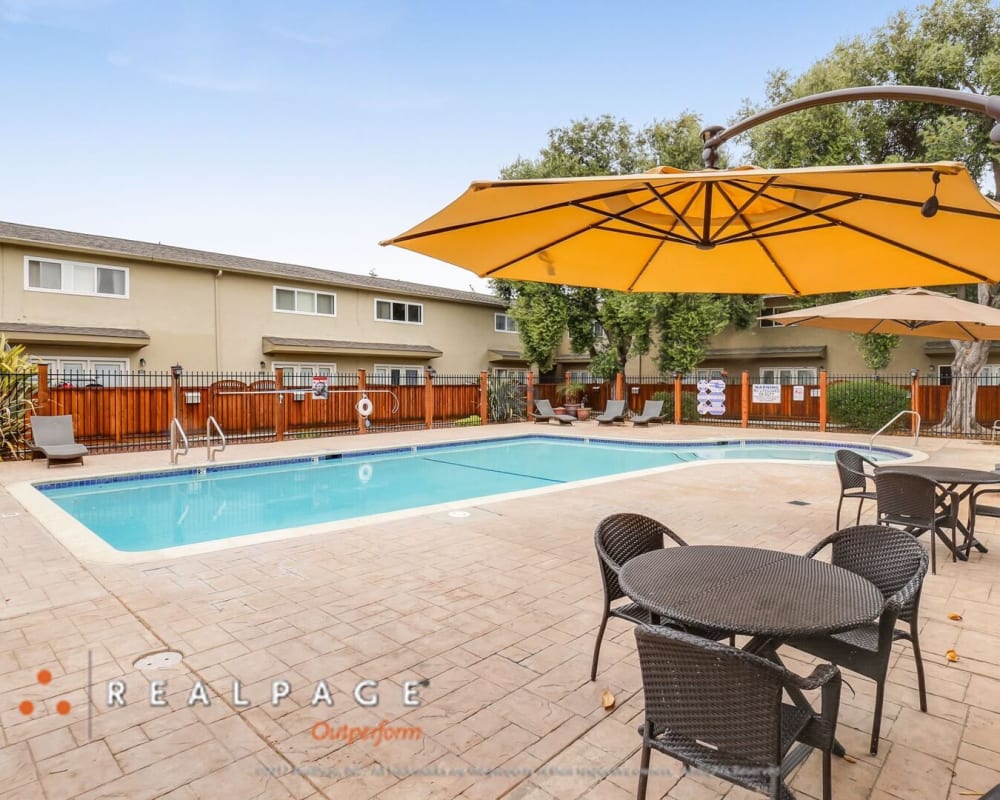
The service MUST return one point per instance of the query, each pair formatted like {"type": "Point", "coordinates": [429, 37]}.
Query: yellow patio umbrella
{"type": "Point", "coordinates": [909, 312]}
{"type": "Point", "coordinates": [745, 230]}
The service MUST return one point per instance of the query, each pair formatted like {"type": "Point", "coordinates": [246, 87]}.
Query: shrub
{"type": "Point", "coordinates": [689, 406]}
{"type": "Point", "coordinates": [473, 420]}
{"type": "Point", "coordinates": [17, 385]}
{"type": "Point", "coordinates": [865, 405]}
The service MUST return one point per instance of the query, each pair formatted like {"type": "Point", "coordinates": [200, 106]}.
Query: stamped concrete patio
{"type": "Point", "coordinates": [498, 609]}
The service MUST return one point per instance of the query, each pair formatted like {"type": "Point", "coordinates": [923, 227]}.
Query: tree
{"type": "Point", "coordinates": [613, 326]}
{"type": "Point", "coordinates": [951, 44]}
{"type": "Point", "coordinates": [876, 348]}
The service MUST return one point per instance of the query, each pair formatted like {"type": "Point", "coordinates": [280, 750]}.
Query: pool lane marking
{"type": "Point", "coordinates": [491, 469]}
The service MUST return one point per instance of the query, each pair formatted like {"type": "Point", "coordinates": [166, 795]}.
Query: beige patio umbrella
{"type": "Point", "coordinates": [748, 230]}
{"type": "Point", "coordinates": [909, 312]}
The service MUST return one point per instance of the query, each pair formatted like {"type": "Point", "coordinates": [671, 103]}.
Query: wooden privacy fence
{"type": "Point", "coordinates": [134, 411]}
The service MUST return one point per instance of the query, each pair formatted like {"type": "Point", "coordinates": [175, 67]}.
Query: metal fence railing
{"type": "Point", "coordinates": [114, 412]}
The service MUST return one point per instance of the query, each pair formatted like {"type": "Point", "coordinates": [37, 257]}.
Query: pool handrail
{"type": "Point", "coordinates": [916, 433]}
{"type": "Point", "coordinates": [175, 429]}
{"type": "Point", "coordinates": [213, 422]}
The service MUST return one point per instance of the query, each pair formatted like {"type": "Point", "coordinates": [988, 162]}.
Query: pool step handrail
{"type": "Point", "coordinates": [177, 433]}
{"type": "Point", "coordinates": [916, 433]}
{"type": "Point", "coordinates": [214, 423]}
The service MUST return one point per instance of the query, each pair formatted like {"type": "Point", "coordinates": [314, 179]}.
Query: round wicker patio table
{"type": "Point", "coordinates": [750, 591]}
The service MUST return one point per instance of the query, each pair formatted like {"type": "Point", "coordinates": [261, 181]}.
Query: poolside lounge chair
{"type": "Point", "coordinates": [615, 412]}
{"type": "Point", "coordinates": [544, 412]}
{"type": "Point", "coordinates": [53, 437]}
{"type": "Point", "coordinates": [652, 411]}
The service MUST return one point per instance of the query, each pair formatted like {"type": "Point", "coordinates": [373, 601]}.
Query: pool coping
{"type": "Point", "coordinates": [86, 545]}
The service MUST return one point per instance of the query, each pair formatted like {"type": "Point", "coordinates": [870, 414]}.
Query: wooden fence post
{"type": "Point", "coordinates": [619, 386]}
{"type": "Point", "coordinates": [915, 401]}
{"type": "Point", "coordinates": [822, 401]}
{"type": "Point", "coordinates": [362, 385]}
{"type": "Point", "coordinates": [279, 404]}
{"type": "Point", "coordinates": [745, 400]}
{"type": "Point", "coordinates": [428, 400]}
{"type": "Point", "coordinates": [484, 407]}
{"type": "Point", "coordinates": [530, 394]}
{"type": "Point", "coordinates": [43, 390]}
{"type": "Point", "coordinates": [677, 398]}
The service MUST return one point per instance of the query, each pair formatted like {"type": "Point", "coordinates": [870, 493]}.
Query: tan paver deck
{"type": "Point", "coordinates": [498, 609]}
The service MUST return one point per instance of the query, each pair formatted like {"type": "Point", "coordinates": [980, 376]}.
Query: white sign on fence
{"type": "Point", "coordinates": [766, 393]}
{"type": "Point", "coordinates": [798, 393]}
{"type": "Point", "coordinates": [712, 397]}
{"type": "Point", "coordinates": [320, 390]}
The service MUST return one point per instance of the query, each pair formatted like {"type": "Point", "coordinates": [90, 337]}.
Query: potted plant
{"type": "Point", "coordinates": [571, 394]}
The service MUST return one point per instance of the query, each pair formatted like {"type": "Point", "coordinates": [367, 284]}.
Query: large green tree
{"type": "Point", "coordinates": [613, 326]}
{"type": "Point", "coordinates": [952, 44]}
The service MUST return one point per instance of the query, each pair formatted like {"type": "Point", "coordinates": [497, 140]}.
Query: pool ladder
{"type": "Point", "coordinates": [916, 433]}
{"type": "Point", "coordinates": [177, 436]}
{"type": "Point", "coordinates": [214, 423]}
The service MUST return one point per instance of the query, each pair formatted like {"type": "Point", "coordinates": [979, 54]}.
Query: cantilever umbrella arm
{"type": "Point", "coordinates": [715, 136]}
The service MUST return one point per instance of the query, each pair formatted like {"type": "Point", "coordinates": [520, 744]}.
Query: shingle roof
{"type": "Point", "coordinates": [419, 349]}
{"type": "Point", "coordinates": [73, 330]}
{"type": "Point", "coordinates": [168, 254]}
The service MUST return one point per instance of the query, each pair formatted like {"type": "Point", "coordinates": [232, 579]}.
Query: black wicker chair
{"type": "Point", "coordinates": [854, 480]}
{"type": "Point", "coordinates": [718, 709]}
{"type": "Point", "coordinates": [618, 538]}
{"type": "Point", "coordinates": [977, 508]}
{"type": "Point", "coordinates": [896, 563]}
{"type": "Point", "coordinates": [917, 504]}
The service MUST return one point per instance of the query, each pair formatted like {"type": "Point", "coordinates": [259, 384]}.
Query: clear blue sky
{"type": "Point", "coordinates": [307, 131]}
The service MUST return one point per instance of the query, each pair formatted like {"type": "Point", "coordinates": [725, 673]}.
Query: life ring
{"type": "Point", "coordinates": [364, 406]}
{"type": "Point", "coordinates": [365, 473]}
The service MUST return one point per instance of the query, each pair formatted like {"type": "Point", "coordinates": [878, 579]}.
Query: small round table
{"type": "Point", "coordinates": [750, 591]}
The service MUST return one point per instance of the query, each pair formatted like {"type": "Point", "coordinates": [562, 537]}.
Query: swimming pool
{"type": "Point", "coordinates": [153, 511]}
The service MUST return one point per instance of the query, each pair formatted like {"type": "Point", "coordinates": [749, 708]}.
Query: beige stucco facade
{"type": "Point", "coordinates": [220, 317]}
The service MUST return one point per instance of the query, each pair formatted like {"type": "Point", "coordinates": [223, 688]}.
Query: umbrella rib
{"type": "Point", "coordinates": [620, 217]}
{"type": "Point", "coordinates": [645, 266]}
{"type": "Point", "coordinates": [678, 217]}
{"type": "Point", "coordinates": [880, 198]}
{"type": "Point", "coordinates": [738, 211]}
{"type": "Point", "coordinates": [752, 232]}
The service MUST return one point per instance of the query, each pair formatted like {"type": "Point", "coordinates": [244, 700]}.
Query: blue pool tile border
{"type": "Point", "coordinates": [358, 454]}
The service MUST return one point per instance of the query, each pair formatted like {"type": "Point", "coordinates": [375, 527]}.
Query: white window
{"type": "Point", "coordinates": [799, 376]}
{"type": "Point", "coordinates": [989, 375]}
{"type": "Point", "coordinates": [520, 375]}
{"type": "Point", "coordinates": [76, 371]}
{"type": "Point", "coordinates": [73, 277]}
{"type": "Point", "coordinates": [303, 301]}
{"type": "Point", "coordinates": [397, 375]}
{"type": "Point", "coordinates": [766, 323]}
{"type": "Point", "coordinates": [397, 311]}
{"type": "Point", "coordinates": [505, 323]}
{"type": "Point", "coordinates": [578, 375]}
{"type": "Point", "coordinates": [295, 374]}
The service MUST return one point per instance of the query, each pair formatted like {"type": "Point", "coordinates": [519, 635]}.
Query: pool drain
{"type": "Point", "coordinates": [158, 660]}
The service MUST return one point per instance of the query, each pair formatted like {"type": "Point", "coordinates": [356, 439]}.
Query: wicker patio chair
{"type": "Point", "coordinates": [854, 479]}
{"type": "Point", "coordinates": [917, 505]}
{"type": "Point", "coordinates": [896, 563]}
{"type": "Point", "coordinates": [977, 508]}
{"type": "Point", "coordinates": [718, 709]}
{"type": "Point", "coordinates": [618, 538]}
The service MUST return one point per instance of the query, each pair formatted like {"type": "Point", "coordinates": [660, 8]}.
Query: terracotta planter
{"type": "Point", "coordinates": [583, 413]}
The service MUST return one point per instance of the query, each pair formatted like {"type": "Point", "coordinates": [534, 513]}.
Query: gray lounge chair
{"type": "Point", "coordinates": [615, 412]}
{"type": "Point", "coordinates": [544, 412]}
{"type": "Point", "coordinates": [652, 411]}
{"type": "Point", "coordinates": [53, 437]}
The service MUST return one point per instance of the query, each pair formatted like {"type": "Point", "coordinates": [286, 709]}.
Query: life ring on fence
{"type": "Point", "coordinates": [365, 473]}
{"type": "Point", "coordinates": [364, 406]}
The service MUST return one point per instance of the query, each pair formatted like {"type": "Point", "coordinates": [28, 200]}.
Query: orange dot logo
{"type": "Point", "coordinates": [44, 677]}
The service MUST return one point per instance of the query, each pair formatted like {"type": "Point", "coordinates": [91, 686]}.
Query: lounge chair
{"type": "Point", "coordinates": [652, 411]}
{"type": "Point", "coordinates": [53, 437]}
{"type": "Point", "coordinates": [615, 412]}
{"type": "Point", "coordinates": [544, 412]}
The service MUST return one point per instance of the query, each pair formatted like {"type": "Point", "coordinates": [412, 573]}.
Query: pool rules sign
{"type": "Point", "coordinates": [712, 397]}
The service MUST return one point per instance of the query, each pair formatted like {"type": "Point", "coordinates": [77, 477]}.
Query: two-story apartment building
{"type": "Point", "coordinates": [102, 305]}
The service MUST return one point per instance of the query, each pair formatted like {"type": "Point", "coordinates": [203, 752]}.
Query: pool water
{"type": "Point", "coordinates": [166, 509]}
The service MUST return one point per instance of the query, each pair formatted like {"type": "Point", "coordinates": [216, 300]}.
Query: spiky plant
{"type": "Point", "coordinates": [17, 388]}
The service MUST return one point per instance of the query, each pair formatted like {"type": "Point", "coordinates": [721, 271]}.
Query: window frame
{"type": "Point", "coordinates": [314, 292]}
{"type": "Point", "coordinates": [406, 303]}
{"type": "Point", "coordinates": [301, 373]}
{"type": "Point", "coordinates": [382, 374]}
{"type": "Point", "coordinates": [509, 321]}
{"type": "Point", "coordinates": [814, 375]}
{"type": "Point", "coordinates": [67, 266]}
{"type": "Point", "coordinates": [764, 322]}
{"type": "Point", "coordinates": [94, 368]}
